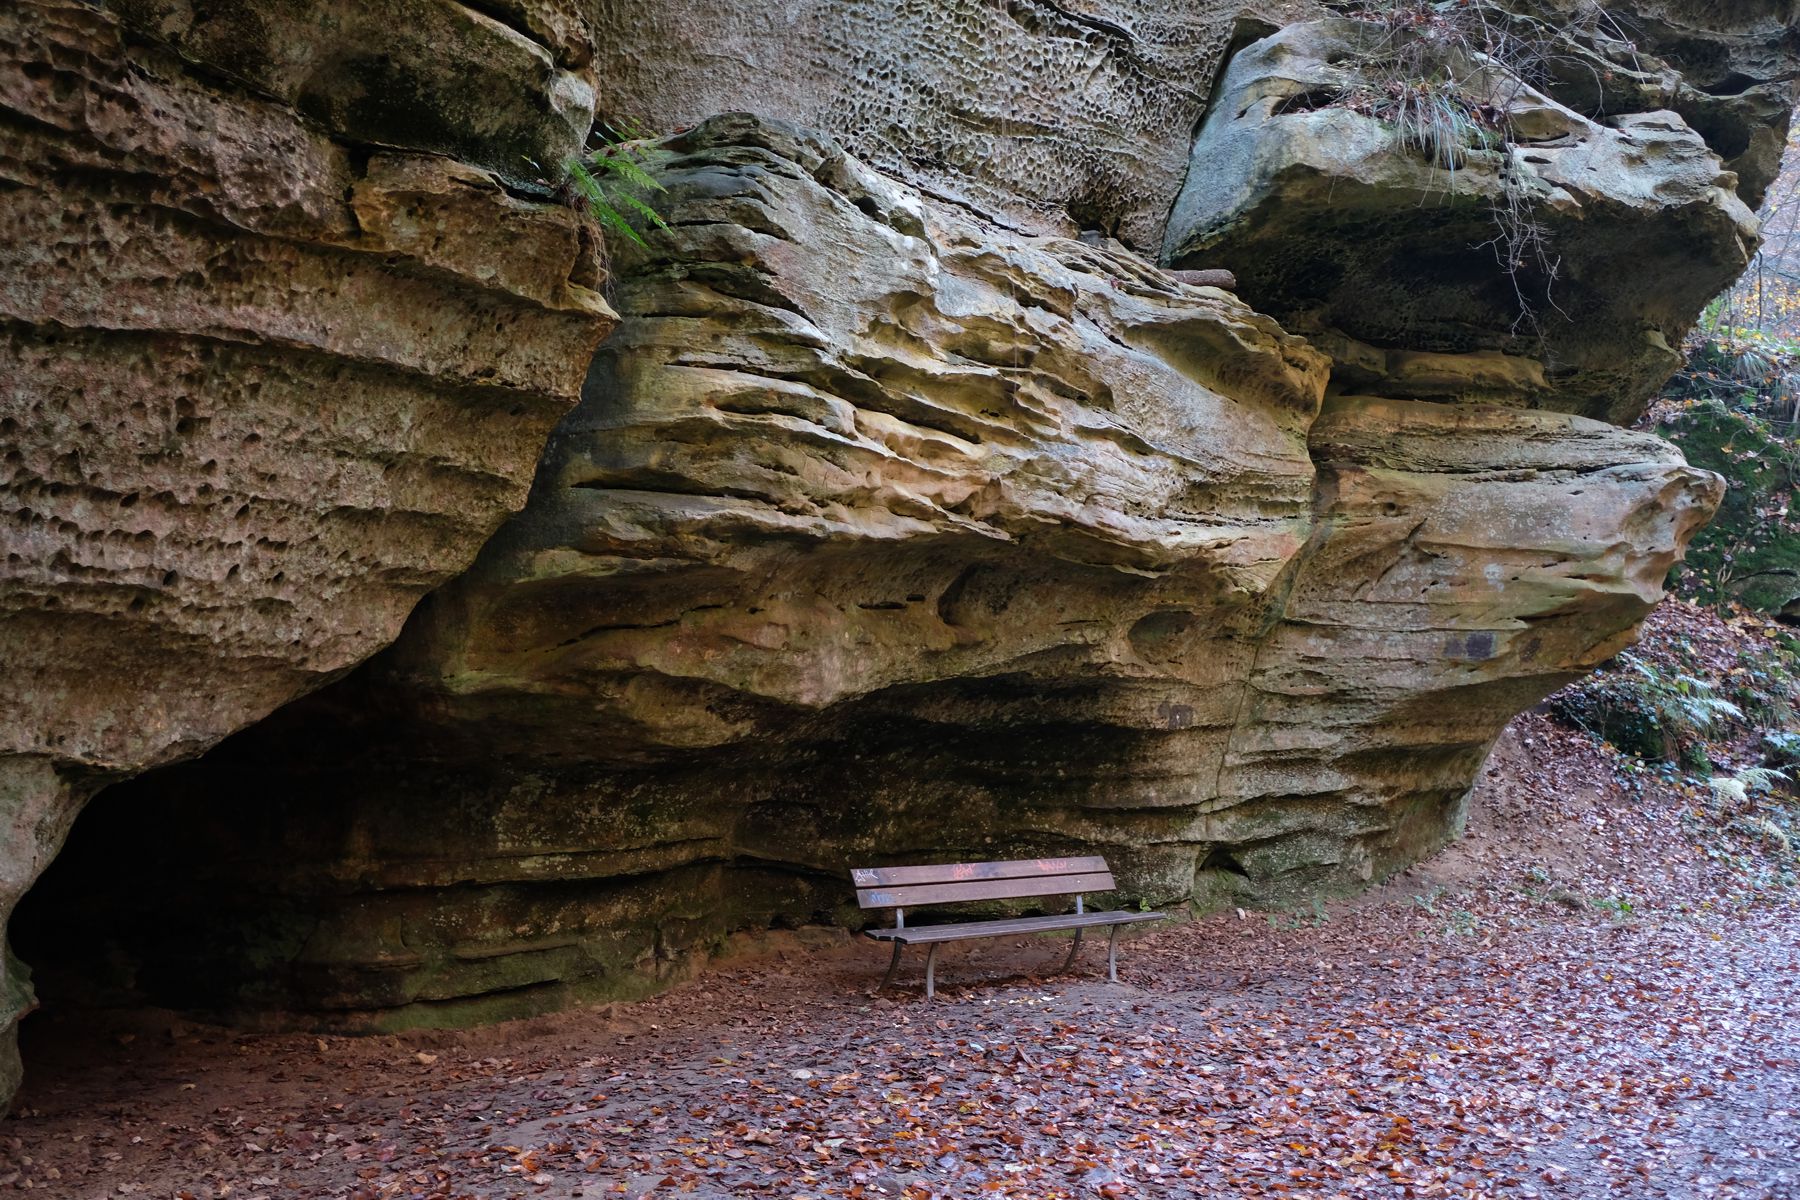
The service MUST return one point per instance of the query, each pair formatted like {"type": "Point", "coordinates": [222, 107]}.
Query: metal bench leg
{"type": "Point", "coordinates": [931, 970]}
{"type": "Point", "coordinates": [1070, 961]}
{"type": "Point", "coordinates": [1112, 955]}
{"type": "Point", "coordinates": [893, 965]}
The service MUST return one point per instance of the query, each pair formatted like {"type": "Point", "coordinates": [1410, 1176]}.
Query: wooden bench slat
{"type": "Point", "coordinates": [984, 889]}
{"type": "Point", "coordinates": [1015, 879]}
{"type": "Point", "coordinates": [1007, 926]}
{"type": "Point", "coordinates": [1021, 868]}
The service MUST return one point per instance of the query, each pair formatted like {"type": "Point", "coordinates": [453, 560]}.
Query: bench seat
{"type": "Point", "coordinates": [1006, 926]}
{"type": "Point", "coordinates": [935, 884]}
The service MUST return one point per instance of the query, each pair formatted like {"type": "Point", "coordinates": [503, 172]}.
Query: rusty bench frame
{"type": "Point", "coordinates": [900, 888]}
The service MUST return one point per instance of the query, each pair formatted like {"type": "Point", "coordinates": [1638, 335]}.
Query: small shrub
{"type": "Point", "coordinates": [1649, 712]}
{"type": "Point", "coordinates": [1765, 684]}
{"type": "Point", "coordinates": [1429, 70]}
{"type": "Point", "coordinates": [1782, 747]}
{"type": "Point", "coordinates": [1618, 906]}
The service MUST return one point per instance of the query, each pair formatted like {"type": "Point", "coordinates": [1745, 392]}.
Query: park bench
{"type": "Point", "coordinates": [901, 888]}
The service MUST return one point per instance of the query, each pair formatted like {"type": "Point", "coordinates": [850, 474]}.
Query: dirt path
{"type": "Point", "coordinates": [1495, 1024]}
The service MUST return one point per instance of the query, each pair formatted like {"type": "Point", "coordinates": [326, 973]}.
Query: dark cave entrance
{"type": "Point", "coordinates": [337, 868]}
{"type": "Point", "coordinates": [122, 917]}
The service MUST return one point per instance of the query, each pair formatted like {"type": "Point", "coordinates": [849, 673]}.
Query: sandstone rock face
{"type": "Point", "coordinates": [991, 545]}
{"type": "Point", "coordinates": [1726, 69]}
{"type": "Point", "coordinates": [912, 512]}
{"type": "Point", "coordinates": [954, 398]}
{"type": "Point", "coordinates": [1468, 559]}
{"type": "Point", "coordinates": [1572, 258]}
{"type": "Point", "coordinates": [1051, 116]}
{"type": "Point", "coordinates": [1054, 115]}
{"type": "Point", "coordinates": [269, 375]}
{"type": "Point", "coordinates": [507, 86]}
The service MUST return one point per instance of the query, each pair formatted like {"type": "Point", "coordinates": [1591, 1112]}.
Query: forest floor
{"type": "Point", "coordinates": [1596, 992]}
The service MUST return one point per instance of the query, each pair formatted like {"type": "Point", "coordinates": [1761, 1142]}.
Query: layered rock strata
{"type": "Point", "coordinates": [991, 545]}
{"type": "Point", "coordinates": [268, 374]}
{"type": "Point", "coordinates": [1555, 260]}
{"type": "Point", "coordinates": [1052, 115]}
{"type": "Point", "coordinates": [895, 523]}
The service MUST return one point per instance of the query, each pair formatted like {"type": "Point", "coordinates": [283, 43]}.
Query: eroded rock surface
{"type": "Point", "coordinates": [989, 546]}
{"type": "Point", "coordinates": [1726, 69]}
{"type": "Point", "coordinates": [1560, 268]}
{"type": "Point", "coordinates": [896, 521]}
{"type": "Point", "coordinates": [1051, 116]}
{"type": "Point", "coordinates": [505, 85]}
{"type": "Point", "coordinates": [267, 376]}
{"type": "Point", "coordinates": [1468, 559]}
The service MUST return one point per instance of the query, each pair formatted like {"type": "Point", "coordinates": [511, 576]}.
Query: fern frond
{"type": "Point", "coordinates": [1727, 790]}
{"type": "Point", "coordinates": [606, 181]}
{"type": "Point", "coordinates": [585, 183]}
{"type": "Point", "coordinates": [617, 222]}
{"type": "Point", "coordinates": [624, 129]}
{"type": "Point", "coordinates": [623, 165]}
{"type": "Point", "coordinates": [648, 213]}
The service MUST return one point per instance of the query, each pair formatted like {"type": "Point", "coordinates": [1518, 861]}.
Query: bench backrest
{"type": "Point", "coordinates": [948, 883]}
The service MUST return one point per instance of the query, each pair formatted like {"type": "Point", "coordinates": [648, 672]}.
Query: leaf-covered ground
{"type": "Point", "coordinates": [1596, 993]}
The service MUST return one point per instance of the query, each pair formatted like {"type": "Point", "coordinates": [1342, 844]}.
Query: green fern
{"type": "Point", "coordinates": [1658, 713]}
{"type": "Point", "coordinates": [1782, 745]}
{"type": "Point", "coordinates": [612, 182]}
{"type": "Point", "coordinates": [1683, 705]}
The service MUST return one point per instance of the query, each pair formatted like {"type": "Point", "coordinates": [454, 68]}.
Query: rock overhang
{"type": "Point", "coordinates": [1001, 543]}
{"type": "Point", "coordinates": [893, 521]}
{"type": "Point", "coordinates": [1585, 244]}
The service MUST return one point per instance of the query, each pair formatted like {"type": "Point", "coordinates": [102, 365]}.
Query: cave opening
{"type": "Point", "coordinates": [105, 925]}
{"type": "Point", "coordinates": [336, 869]}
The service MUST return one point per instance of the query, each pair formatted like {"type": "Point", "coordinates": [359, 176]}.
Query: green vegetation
{"type": "Point", "coordinates": [1454, 922]}
{"type": "Point", "coordinates": [1446, 75]}
{"type": "Point", "coordinates": [1706, 707]}
{"type": "Point", "coordinates": [1429, 71]}
{"type": "Point", "coordinates": [1620, 908]}
{"type": "Point", "coordinates": [1651, 712]}
{"type": "Point", "coordinates": [613, 180]}
{"type": "Point", "coordinates": [1735, 409]}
